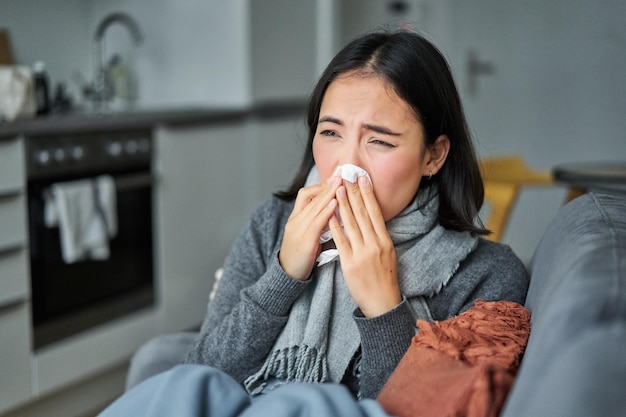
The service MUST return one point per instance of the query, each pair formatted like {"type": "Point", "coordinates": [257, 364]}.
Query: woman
{"type": "Point", "coordinates": [405, 231]}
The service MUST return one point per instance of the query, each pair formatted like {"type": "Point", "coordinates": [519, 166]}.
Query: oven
{"type": "Point", "coordinates": [72, 297]}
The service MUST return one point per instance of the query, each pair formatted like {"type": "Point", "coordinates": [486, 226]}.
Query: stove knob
{"type": "Point", "coordinates": [77, 152]}
{"type": "Point", "coordinates": [132, 146]}
{"type": "Point", "coordinates": [59, 154]}
{"type": "Point", "coordinates": [114, 149]}
{"type": "Point", "coordinates": [144, 145]}
{"type": "Point", "coordinates": [43, 157]}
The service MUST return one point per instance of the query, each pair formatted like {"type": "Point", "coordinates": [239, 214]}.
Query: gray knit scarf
{"type": "Point", "coordinates": [321, 337]}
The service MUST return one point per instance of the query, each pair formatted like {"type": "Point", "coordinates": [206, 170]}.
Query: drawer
{"type": "Point", "coordinates": [15, 365]}
{"type": "Point", "coordinates": [12, 220]}
{"type": "Point", "coordinates": [12, 172]}
{"type": "Point", "coordinates": [67, 362]}
{"type": "Point", "coordinates": [13, 276]}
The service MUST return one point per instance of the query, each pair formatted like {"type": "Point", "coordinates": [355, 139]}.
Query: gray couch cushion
{"type": "Point", "coordinates": [575, 361]}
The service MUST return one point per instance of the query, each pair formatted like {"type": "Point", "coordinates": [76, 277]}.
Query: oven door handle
{"type": "Point", "coordinates": [132, 181]}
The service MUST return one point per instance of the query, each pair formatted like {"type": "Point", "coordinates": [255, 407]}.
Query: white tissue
{"type": "Point", "coordinates": [350, 173]}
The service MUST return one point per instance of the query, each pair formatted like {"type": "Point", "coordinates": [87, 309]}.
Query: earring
{"type": "Point", "coordinates": [430, 175]}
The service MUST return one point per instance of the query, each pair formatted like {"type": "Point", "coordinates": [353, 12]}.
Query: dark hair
{"type": "Point", "coordinates": [420, 75]}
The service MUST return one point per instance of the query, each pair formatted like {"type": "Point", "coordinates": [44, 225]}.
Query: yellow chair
{"type": "Point", "coordinates": [503, 177]}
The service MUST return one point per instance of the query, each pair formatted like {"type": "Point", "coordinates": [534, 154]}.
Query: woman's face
{"type": "Point", "coordinates": [365, 123]}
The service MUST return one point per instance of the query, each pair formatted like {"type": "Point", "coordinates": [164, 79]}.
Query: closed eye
{"type": "Point", "coordinates": [382, 143]}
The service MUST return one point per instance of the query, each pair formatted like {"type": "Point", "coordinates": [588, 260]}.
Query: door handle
{"type": "Point", "coordinates": [475, 68]}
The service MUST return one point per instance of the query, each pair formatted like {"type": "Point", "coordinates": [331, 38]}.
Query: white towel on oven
{"type": "Point", "coordinates": [85, 212]}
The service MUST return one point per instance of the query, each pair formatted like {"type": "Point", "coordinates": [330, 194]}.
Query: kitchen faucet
{"type": "Point", "coordinates": [101, 88]}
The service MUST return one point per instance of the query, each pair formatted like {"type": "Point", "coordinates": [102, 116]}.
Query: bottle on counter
{"type": "Point", "coordinates": [42, 88]}
{"type": "Point", "coordinates": [119, 77]}
{"type": "Point", "coordinates": [61, 101]}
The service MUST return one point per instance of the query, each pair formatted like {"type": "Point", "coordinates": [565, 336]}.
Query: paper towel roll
{"type": "Point", "coordinates": [17, 97]}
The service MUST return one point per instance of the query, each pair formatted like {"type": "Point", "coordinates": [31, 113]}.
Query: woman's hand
{"type": "Point", "coordinates": [313, 209]}
{"type": "Point", "coordinates": [366, 252]}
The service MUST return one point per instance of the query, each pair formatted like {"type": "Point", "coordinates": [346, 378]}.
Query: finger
{"type": "Point", "coordinates": [305, 196]}
{"type": "Point", "coordinates": [323, 206]}
{"type": "Point", "coordinates": [350, 223]}
{"type": "Point", "coordinates": [373, 208]}
{"type": "Point", "coordinates": [359, 208]}
{"type": "Point", "coordinates": [313, 198]}
{"type": "Point", "coordinates": [341, 241]}
{"type": "Point", "coordinates": [313, 222]}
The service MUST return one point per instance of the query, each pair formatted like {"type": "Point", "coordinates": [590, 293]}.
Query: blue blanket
{"type": "Point", "coordinates": [201, 391]}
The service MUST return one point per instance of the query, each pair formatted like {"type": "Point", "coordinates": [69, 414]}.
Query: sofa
{"type": "Point", "coordinates": [574, 364]}
{"type": "Point", "coordinates": [575, 360]}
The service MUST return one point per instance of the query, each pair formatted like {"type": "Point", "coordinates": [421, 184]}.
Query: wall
{"type": "Point", "coordinates": [56, 32]}
{"type": "Point", "coordinates": [195, 52]}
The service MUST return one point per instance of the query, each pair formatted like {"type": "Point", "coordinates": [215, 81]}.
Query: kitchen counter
{"type": "Point", "coordinates": [79, 122]}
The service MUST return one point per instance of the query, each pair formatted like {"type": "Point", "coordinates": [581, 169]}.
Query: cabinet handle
{"type": "Point", "coordinates": [11, 304]}
{"type": "Point", "coordinates": [8, 193]}
{"type": "Point", "coordinates": [132, 181]}
{"type": "Point", "coordinates": [7, 248]}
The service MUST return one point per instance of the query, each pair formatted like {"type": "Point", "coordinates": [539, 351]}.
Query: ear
{"type": "Point", "coordinates": [435, 155]}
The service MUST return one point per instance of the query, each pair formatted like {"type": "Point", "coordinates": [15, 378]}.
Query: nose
{"type": "Point", "coordinates": [351, 154]}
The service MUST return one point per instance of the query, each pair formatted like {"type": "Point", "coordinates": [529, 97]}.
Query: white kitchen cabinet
{"type": "Point", "coordinates": [13, 253]}
{"type": "Point", "coordinates": [15, 335]}
{"type": "Point", "coordinates": [71, 360]}
{"type": "Point", "coordinates": [15, 382]}
{"type": "Point", "coordinates": [275, 146]}
{"type": "Point", "coordinates": [11, 165]}
{"type": "Point", "coordinates": [13, 273]}
{"type": "Point", "coordinates": [198, 210]}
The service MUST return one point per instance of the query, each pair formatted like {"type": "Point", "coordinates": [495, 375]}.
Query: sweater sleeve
{"type": "Point", "coordinates": [492, 272]}
{"type": "Point", "coordinates": [252, 301]}
{"type": "Point", "coordinates": [384, 341]}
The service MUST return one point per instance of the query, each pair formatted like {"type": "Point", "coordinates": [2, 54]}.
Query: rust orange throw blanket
{"type": "Point", "coordinates": [463, 366]}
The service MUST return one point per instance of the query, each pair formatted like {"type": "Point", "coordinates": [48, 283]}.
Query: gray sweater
{"type": "Point", "coordinates": [254, 297]}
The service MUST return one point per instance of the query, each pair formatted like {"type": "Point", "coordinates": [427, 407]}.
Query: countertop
{"type": "Point", "coordinates": [606, 176]}
{"type": "Point", "coordinates": [79, 122]}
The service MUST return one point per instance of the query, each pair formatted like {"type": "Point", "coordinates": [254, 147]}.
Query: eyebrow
{"type": "Point", "coordinates": [374, 128]}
